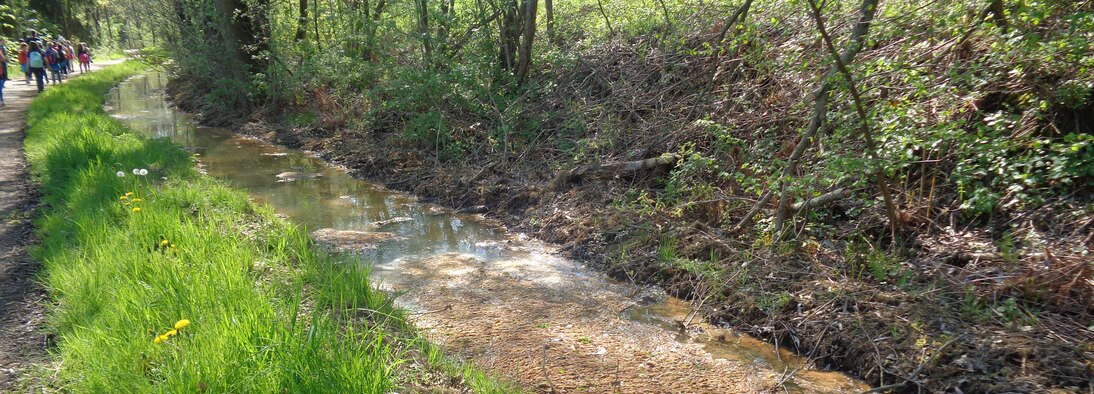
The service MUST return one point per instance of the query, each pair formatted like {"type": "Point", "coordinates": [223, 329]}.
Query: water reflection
{"type": "Point", "coordinates": [310, 192]}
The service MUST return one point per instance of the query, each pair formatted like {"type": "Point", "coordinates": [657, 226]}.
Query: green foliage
{"type": "Point", "coordinates": [864, 260]}
{"type": "Point", "coordinates": [691, 179]}
{"type": "Point", "coordinates": [772, 302]}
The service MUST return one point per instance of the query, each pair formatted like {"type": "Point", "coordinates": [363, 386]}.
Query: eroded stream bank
{"type": "Point", "coordinates": [506, 301]}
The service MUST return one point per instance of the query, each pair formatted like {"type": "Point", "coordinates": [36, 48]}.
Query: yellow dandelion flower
{"type": "Point", "coordinates": [123, 198]}
{"type": "Point", "coordinates": [160, 339]}
{"type": "Point", "coordinates": [181, 324]}
{"type": "Point", "coordinates": [171, 333]}
{"type": "Point", "coordinates": [136, 209]}
{"type": "Point", "coordinates": [137, 199]}
{"type": "Point", "coordinates": [127, 194]}
{"type": "Point", "coordinates": [164, 243]}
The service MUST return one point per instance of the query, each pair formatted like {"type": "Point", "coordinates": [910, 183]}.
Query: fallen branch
{"type": "Point", "coordinates": [663, 161]}
{"type": "Point", "coordinates": [821, 200]}
{"type": "Point", "coordinates": [546, 375]}
{"type": "Point", "coordinates": [912, 377]}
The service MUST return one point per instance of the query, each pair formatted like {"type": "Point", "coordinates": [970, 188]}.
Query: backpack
{"type": "Point", "coordinates": [35, 59]}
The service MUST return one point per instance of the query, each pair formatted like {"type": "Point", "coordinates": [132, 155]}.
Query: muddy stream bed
{"type": "Point", "coordinates": [505, 301]}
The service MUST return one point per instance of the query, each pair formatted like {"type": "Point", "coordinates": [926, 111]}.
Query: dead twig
{"type": "Point", "coordinates": [911, 377]}
{"type": "Point", "coordinates": [546, 375]}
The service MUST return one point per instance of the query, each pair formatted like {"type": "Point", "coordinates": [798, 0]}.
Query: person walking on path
{"type": "Point", "coordinates": [4, 51]}
{"type": "Point", "coordinates": [23, 61]}
{"type": "Point", "coordinates": [70, 59]}
{"type": "Point", "coordinates": [55, 57]}
{"type": "Point", "coordinates": [36, 63]}
{"type": "Point", "coordinates": [3, 69]}
{"type": "Point", "coordinates": [84, 54]}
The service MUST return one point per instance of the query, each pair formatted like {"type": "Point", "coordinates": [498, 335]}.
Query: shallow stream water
{"type": "Point", "coordinates": [504, 300]}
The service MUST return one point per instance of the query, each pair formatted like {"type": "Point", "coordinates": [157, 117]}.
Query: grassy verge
{"type": "Point", "coordinates": [128, 256]}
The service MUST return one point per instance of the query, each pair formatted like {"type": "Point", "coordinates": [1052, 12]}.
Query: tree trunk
{"type": "Point", "coordinates": [864, 126]}
{"type": "Point", "coordinates": [302, 22]}
{"type": "Point", "coordinates": [109, 27]}
{"type": "Point", "coordinates": [998, 13]}
{"type": "Point", "coordinates": [423, 29]}
{"type": "Point", "coordinates": [820, 111]}
{"type": "Point", "coordinates": [65, 17]}
{"type": "Point", "coordinates": [529, 35]}
{"type": "Point", "coordinates": [549, 7]}
{"type": "Point", "coordinates": [600, 5]}
{"type": "Point", "coordinates": [741, 11]}
{"type": "Point", "coordinates": [665, 14]}
{"type": "Point", "coordinates": [315, 25]}
{"type": "Point", "coordinates": [508, 35]}
{"type": "Point", "coordinates": [444, 27]}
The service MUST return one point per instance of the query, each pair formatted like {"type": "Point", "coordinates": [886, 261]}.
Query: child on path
{"type": "Point", "coordinates": [84, 55]}
{"type": "Point", "coordinates": [67, 64]}
{"type": "Point", "coordinates": [55, 57]}
{"type": "Point", "coordinates": [4, 64]}
{"type": "Point", "coordinates": [36, 63]}
{"type": "Point", "coordinates": [3, 70]}
{"type": "Point", "coordinates": [23, 61]}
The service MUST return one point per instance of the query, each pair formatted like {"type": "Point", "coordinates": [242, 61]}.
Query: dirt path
{"type": "Point", "coordinates": [23, 303]}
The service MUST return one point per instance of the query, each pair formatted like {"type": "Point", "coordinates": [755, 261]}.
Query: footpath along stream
{"type": "Point", "coordinates": [503, 300]}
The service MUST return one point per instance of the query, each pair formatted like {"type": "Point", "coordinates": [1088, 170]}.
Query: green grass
{"type": "Point", "coordinates": [269, 313]}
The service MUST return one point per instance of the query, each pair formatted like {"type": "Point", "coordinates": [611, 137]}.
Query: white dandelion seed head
{"type": "Point", "coordinates": [136, 171]}
{"type": "Point", "coordinates": [120, 174]}
{"type": "Point", "coordinates": [144, 172]}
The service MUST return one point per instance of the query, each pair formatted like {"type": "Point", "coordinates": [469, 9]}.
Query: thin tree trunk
{"type": "Point", "coordinates": [820, 111]}
{"type": "Point", "coordinates": [665, 14]}
{"type": "Point", "coordinates": [302, 22]}
{"type": "Point", "coordinates": [315, 25]}
{"type": "Point", "coordinates": [379, 10]}
{"type": "Point", "coordinates": [423, 28]}
{"type": "Point", "coordinates": [110, 34]}
{"type": "Point", "coordinates": [549, 8]}
{"type": "Point", "coordinates": [998, 13]}
{"type": "Point", "coordinates": [525, 55]}
{"type": "Point", "coordinates": [600, 4]}
{"type": "Point", "coordinates": [65, 16]}
{"type": "Point", "coordinates": [444, 28]}
{"type": "Point", "coordinates": [864, 126]}
{"type": "Point", "coordinates": [741, 11]}
{"type": "Point", "coordinates": [508, 34]}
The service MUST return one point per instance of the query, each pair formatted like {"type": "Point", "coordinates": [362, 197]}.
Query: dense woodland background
{"type": "Point", "coordinates": [897, 188]}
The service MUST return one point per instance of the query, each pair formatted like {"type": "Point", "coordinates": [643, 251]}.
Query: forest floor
{"type": "Point", "coordinates": [23, 303]}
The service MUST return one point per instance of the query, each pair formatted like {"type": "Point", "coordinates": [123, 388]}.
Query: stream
{"type": "Point", "coordinates": [506, 301]}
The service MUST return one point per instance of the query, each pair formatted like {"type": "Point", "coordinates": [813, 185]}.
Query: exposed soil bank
{"type": "Point", "coordinates": [910, 336]}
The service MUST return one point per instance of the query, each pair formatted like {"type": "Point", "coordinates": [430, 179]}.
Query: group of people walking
{"type": "Point", "coordinates": [36, 55]}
